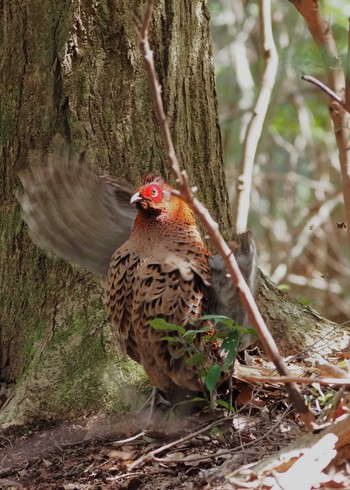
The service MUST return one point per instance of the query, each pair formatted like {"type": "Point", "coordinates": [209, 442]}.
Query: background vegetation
{"type": "Point", "coordinates": [296, 206]}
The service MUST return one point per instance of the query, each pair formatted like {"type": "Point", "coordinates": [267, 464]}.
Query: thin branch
{"type": "Point", "coordinates": [254, 129]}
{"type": "Point", "coordinates": [240, 448]}
{"type": "Point", "coordinates": [215, 236]}
{"type": "Point", "coordinates": [149, 456]}
{"type": "Point", "coordinates": [322, 34]}
{"type": "Point", "coordinates": [347, 73]}
{"type": "Point", "coordinates": [147, 20]}
{"type": "Point", "coordinates": [158, 102]}
{"type": "Point", "coordinates": [322, 86]}
{"type": "Point", "coordinates": [294, 379]}
{"type": "Point", "coordinates": [129, 439]}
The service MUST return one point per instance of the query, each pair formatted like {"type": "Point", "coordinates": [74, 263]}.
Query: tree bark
{"type": "Point", "coordinates": [74, 69]}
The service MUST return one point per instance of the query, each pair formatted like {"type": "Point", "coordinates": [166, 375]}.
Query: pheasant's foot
{"type": "Point", "coordinates": [154, 402]}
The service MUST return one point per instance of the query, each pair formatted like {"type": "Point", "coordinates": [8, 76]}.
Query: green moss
{"type": "Point", "coordinates": [103, 14]}
{"type": "Point", "coordinates": [31, 345]}
{"type": "Point", "coordinates": [91, 374]}
{"type": "Point", "coordinates": [77, 131]}
{"type": "Point", "coordinates": [7, 120]}
{"type": "Point", "coordinates": [79, 386]}
{"type": "Point", "coordinates": [85, 88]}
{"type": "Point", "coordinates": [109, 118]}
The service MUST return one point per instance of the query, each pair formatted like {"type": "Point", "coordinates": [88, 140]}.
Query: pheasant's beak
{"type": "Point", "coordinates": [136, 198]}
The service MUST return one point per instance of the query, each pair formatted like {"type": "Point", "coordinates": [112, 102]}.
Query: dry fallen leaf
{"type": "Point", "coordinates": [121, 455]}
{"type": "Point", "coordinates": [307, 471]}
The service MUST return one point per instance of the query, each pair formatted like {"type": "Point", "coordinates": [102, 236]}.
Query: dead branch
{"type": "Point", "coordinates": [347, 73]}
{"type": "Point", "coordinates": [240, 448]}
{"type": "Point", "coordinates": [322, 86]}
{"type": "Point", "coordinates": [254, 129]}
{"type": "Point", "coordinates": [294, 379]}
{"type": "Point", "coordinates": [129, 439]}
{"type": "Point", "coordinates": [213, 230]}
{"type": "Point", "coordinates": [322, 34]}
{"type": "Point", "coordinates": [151, 455]}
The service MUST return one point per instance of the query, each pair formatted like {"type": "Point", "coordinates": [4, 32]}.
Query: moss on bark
{"type": "Point", "coordinates": [74, 69]}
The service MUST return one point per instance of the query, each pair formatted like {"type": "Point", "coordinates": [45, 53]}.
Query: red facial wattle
{"type": "Point", "coordinates": [153, 192]}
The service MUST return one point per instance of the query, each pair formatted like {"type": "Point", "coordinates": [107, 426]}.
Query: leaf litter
{"type": "Point", "coordinates": [262, 445]}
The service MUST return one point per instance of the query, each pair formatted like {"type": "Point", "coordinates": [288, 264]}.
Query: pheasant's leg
{"type": "Point", "coordinates": [155, 399]}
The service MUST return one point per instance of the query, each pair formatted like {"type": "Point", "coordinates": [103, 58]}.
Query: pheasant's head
{"type": "Point", "coordinates": [156, 200]}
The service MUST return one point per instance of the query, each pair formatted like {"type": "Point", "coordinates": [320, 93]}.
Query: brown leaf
{"type": "Point", "coordinates": [121, 455]}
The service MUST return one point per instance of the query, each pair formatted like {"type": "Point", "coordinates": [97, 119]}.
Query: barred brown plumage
{"type": "Point", "coordinates": [154, 257]}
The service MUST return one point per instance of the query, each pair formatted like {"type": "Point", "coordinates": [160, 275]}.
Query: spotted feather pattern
{"type": "Point", "coordinates": [152, 278]}
{"type": "Point", "coordinates": [161, 270]}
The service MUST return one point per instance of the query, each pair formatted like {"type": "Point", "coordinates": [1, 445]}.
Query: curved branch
{"type": "Point", "coordinates": [254, 129]}
{"type": "Point", "coordinates": [325, 89]}
{"type": "Point", "coordinates": [322, 34]}
{"type": "Point", "coordinates": [213, 230]}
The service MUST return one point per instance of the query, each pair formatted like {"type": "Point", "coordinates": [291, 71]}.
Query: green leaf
{"type": "Point", "coordinates": [229, 346]}
{"type": "Point", "coordinates": [189, 339]}
{"type": "Point", "coordinates": [230, 324]}
{"type": "Point", "coordinates": [212, 377]}
{"type": "Point", "coordinates": [216, 318]}
{"type": "Point", "coordinates": [226, 405]}
{"type": "Point", "coordinates": [171, 340]}
{"type": "Point", "coordinates": [215, 432]}
{"type": "Point", "coordinates": [210, 338]}
{"type": "Point", "coordinates": [196, 359]}
{"type": "Point", "coordinates": [195, 332]}
{"type": "Point", "coordinates": [245, 330]}
{"type": "Point", "coordinates": [161, 324]}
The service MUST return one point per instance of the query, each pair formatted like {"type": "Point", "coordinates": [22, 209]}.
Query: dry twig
{"type": "Point", "coordinates": [151, 455]}
{"type": "Point", "coordinates": [213, 231]}
{"type": "Point", "coordinates": [347, 73]}
{"type": "Point", "coordinates": [322, 34]}
{"type": "Point", "coordinates": [295, 379]}
{"type": "Point", "coordinates": [254, 129]}
{"type": "Point", "coordinates": [322, 86]}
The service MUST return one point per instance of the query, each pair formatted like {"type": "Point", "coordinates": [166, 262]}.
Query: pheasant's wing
{"type": "Point", "coordinates": [225, 299]}
{"type": "Point", "coordinates": [77, 213]}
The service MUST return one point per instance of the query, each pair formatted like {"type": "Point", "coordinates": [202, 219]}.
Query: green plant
{"type": "Point", "coordinates": [219, 333]}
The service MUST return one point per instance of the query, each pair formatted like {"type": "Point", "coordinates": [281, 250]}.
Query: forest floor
{"type": "Point", "coordinates": [99, 452]}
{"type": "Point", "coordinates": [193, 451]}
{"type": "Point", "coordinates": [89, 454]}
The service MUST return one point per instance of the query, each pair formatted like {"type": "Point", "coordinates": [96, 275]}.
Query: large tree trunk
{"type": "Point", "coordinates": [74, 69]}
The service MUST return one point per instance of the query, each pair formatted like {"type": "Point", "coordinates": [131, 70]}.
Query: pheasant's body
{"type": "Point", "coordinates": [161, 271]}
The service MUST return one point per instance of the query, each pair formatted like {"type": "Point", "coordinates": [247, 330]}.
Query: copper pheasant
{"type": "Point", "coordinates": [156, 262]}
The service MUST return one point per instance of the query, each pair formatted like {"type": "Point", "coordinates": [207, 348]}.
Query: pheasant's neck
{"type": "Point", "coordinates": [160, 232]}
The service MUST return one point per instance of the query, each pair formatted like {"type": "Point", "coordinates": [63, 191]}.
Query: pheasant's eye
{"type": "Point", "coordinates": [154, 192]}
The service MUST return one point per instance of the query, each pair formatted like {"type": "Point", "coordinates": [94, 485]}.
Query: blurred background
{"type": "Point", "coordinates": [296, 202]}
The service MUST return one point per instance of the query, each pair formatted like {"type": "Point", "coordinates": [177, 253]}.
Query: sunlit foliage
{"type": "Point", "coordinates": [296, 203]}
